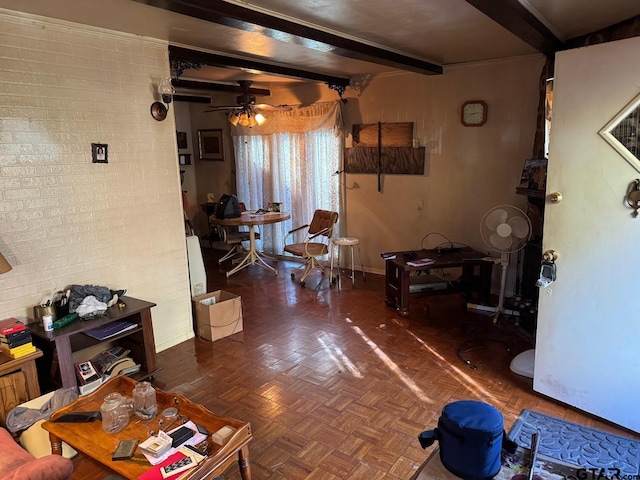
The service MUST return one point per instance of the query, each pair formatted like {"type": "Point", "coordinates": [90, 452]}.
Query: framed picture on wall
{"type": "Point", "coordinates": [182, 139]}
{"type": "Point", "coordinates": [210, 144]}
{"type": "Point", "coordinates": [99, 153]}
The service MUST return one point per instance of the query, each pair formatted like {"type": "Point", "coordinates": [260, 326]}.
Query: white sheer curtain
{"type": "Point", "coordinates": [291, 159]}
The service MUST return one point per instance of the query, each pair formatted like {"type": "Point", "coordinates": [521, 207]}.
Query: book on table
{"type": "Point", "coordinates": [110, 329]}
{"type": "Point", "coordinates": [421, 262]}
{"type": "Point", "coordinates": [16, 339]}
{"type": "Point", "coordinates": [11, 325]}
{"type": "Point", "coordinates": [86, 373]}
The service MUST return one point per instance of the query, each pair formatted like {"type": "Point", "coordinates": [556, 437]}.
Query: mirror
{"type": "Point", "coordinates": [622, 133]}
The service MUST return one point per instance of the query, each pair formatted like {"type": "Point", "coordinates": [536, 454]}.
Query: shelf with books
{"type": "Point", "coordinates": [69, 342]}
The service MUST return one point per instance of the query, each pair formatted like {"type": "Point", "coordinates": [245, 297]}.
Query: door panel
{"type": "Point", "coordinates": [588, 322]}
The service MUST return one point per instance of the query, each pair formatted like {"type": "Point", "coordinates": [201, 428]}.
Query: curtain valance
{"type": "Point", "coordinates": [319, 116]}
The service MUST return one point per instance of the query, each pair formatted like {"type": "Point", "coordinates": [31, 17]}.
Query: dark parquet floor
{"type": "Point", "coordinates": [335, 384]}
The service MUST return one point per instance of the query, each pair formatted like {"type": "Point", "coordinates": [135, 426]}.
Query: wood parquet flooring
{"type": "Point", "coordinates": [338, 386]}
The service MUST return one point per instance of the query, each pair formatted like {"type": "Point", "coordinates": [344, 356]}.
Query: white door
{"type": "Point", "coordinates": [587, 352]}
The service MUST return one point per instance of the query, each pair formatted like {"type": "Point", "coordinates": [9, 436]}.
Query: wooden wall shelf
{"type": "Point", "coordinates": [395, 160]}
{"type": "Point", "coordinates": [384, 148]}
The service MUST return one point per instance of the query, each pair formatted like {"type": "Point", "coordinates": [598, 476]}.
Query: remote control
{"type": "Point", "coordinates": [174, 468]}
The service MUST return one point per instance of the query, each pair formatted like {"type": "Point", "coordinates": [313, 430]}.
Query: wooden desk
{"type": "Point", "coordinates": [398, 273]}
{"type": "Point", "coordinates": [90, 440]}
{"type": "Point", "coordinates": [253, 256]}
{"type": "Point", "coordinates": [514, 464]}
{"type": "Point", "coordinates": [70, 338]}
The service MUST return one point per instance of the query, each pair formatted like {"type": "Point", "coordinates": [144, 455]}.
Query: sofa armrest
{"type": "Point", "coordinates": [51, 467]}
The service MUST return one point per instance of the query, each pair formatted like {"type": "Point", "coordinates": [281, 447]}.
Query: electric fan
{"type": "Point", "coordinates": [505, 229]}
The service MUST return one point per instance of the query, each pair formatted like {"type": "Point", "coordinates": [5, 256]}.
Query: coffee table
{"type": "Point", "coordinates": [89, 439]}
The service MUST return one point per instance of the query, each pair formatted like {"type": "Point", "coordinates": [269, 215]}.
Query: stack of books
{"type": "Point", "coordinates": [106, 364]}
{"type": "Point", "coordinates": [15, 338]}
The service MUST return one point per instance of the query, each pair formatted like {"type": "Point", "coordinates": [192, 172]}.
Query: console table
{"type": "Point", "coordinates": [71, 338]}
{"type": "Point", "coordinates": [398, 273]}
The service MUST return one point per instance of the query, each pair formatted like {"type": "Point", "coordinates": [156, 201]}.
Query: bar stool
{"type": "Point", "coordinates": [347, 242]}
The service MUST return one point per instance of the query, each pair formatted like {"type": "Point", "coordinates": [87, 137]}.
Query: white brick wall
{"type": "Point", "coordinates": [63, 219]}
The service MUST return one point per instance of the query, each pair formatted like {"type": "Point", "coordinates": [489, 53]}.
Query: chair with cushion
{"type": "Point", "coordinates": [315, 242]}
{"type": "Point", "coordinates": [18, 464]}
{"type": "Point", "coordinates": [235, 237]}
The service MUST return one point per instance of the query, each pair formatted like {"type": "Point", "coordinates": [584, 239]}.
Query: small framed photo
{"type": "Point", "coordinates": [184, 159]}
{"type": "Point", "coordinates": [99, 153]}
{"type": "Point", "coordinates": [210, 144]}
{"type": "Point", "coordinates": [182, 139]}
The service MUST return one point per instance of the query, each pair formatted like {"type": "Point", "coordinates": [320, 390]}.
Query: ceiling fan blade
{"type": "Point", "coordinates": [221, 109]}
{"type": "Point", "coordinates": [266, 106]}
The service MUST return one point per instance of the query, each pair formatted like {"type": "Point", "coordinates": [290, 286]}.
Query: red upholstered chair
{"type": "Point", "coordinates": [317, 238]}
{"type": "Point", "coordinates": [18, 464]}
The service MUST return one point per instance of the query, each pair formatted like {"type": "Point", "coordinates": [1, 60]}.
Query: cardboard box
{"type": "Point", "coordinates": [218, 314]}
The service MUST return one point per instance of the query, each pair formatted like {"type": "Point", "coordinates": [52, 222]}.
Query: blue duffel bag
{"type": "Point", "coordinates": [471, 436]}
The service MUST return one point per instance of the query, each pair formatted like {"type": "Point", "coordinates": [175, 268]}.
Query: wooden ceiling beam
{"type": "Point", "coordinates": [513, 16]}
{"type": "Point", "coordinates": [218, 87]}
{"type": "Point", "coordinates": [235, 16]}
{"type": "Point", "coordinates": [216, 60]}
{"type": "Point", "coordinates": [191, 98]}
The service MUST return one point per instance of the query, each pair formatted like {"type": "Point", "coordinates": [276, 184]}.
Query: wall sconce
{"type": "Point", "coordinates": [165, 89]}
{"type": "Point", "coordinates": [4, 265]}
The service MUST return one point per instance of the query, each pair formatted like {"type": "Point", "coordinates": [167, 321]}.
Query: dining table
{"type": "Point", "coordinates": [251, 219]}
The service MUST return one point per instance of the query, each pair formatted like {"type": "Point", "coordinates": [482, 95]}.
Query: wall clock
{"type": "Point", "coordinates": [473, 113]}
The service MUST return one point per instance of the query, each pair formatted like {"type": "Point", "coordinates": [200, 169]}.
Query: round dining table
{"type": "Point", "coordinates": [251, 219]}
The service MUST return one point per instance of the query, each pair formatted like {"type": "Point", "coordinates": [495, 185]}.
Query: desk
{"type": "Point", "coordinates": [253, 256]}
{"type": "Point", "coordinates": [91, 441]}
{"type": "Point", "coordinates": [71, 338]}
{"type": "Point", "coordinates": [517, 463]}
{"type": "Point", "coordinates": [397, 275]}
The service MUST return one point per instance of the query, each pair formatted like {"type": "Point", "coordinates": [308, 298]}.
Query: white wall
{"type": "Point", "coordinates": [63, 219]}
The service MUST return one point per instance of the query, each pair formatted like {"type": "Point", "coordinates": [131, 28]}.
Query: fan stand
{"type": "Point", "coordinates": [498, 309]}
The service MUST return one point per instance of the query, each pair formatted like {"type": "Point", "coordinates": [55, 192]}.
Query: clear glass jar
{"type": "Point", "coordinates": [114, 413]}
{"type": "Point", "coordinates": [144, 401]}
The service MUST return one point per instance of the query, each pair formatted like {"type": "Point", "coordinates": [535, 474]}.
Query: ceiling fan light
{"type": "Point", "coordinates": [244, 120]}
{"type": "Point", "coordinates": [259, 119]}
{"type": "Point", "coordinates": [234, 118]}
{"type": "Point", "coordinates": [252, 122]}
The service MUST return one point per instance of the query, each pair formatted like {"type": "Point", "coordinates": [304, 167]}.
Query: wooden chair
{"type": "Point", "coordinates": [316, 243]}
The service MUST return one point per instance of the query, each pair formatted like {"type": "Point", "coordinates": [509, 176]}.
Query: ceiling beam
{"type": "Point", "coordinates": [513, 16]}
{"type": "Point", "coordinates": [218, 87]}
{"type": "Point", "coordinates": [216, 60]}
{"type": "Point", "coordinates": [235, 16]}
{"type": "Point", "coordinates": [191, 98]}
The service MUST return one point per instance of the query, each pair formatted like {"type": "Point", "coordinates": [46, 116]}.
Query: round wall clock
{"type": "Point", "coordinates": [473, 113]}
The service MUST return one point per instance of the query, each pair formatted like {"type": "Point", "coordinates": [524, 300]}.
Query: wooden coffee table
{"type": "Point", "coordinates": [89, 439]}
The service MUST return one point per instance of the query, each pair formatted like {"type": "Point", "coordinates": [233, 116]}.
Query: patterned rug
{"type": "Point", "coordinates": [577, 444]}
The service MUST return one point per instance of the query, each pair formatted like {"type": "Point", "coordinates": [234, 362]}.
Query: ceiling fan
{"type": "Point", "coordinates": [246, 112]}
